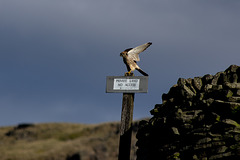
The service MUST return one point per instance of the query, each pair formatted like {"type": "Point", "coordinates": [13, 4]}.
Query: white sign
{"type": "Point", "coordinates": [126, 84]}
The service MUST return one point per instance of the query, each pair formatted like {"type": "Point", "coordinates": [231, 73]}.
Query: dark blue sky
{"type": "Point", "coordinates": [55, 54]}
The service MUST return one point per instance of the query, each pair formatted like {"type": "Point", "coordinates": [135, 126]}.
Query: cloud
{"type": "Point", "coordinates": [57, 53]}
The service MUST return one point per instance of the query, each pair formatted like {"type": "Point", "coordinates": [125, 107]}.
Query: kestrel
{"type": "Point", "coordinates": [131, 56]}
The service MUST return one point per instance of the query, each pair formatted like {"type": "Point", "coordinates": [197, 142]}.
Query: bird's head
{"type": "Point", "coordinates": [125, 52]}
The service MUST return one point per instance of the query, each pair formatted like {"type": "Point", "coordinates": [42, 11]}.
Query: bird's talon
{"type": "Point", "coordinates": [129, 73]}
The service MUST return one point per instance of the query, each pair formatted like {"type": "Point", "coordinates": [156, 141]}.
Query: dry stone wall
{"type": "Point", "coordinates": [199, 118]}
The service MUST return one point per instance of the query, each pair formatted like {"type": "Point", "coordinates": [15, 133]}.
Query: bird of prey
{"type": "Point", "coordinates": [131, 56]}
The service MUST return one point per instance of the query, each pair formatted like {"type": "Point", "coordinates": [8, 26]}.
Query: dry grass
{"type": "Point", "coordinates": [39, 141]}
{"type": "Point", "coordinates": [57, 141]}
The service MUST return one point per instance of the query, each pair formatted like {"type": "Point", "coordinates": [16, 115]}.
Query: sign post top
{"type": "Point", "coordinates": [127, 84]}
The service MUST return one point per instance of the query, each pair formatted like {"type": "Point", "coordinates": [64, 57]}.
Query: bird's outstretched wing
{"type": "Point", "coordinates": [134, 53]}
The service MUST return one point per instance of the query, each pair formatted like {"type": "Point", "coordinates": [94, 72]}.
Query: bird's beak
{"type": "Point", "coordinates": [120, 54]}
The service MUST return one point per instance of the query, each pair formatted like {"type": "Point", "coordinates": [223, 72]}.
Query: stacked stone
{"type": "Point", "coordinates": [198, 119]}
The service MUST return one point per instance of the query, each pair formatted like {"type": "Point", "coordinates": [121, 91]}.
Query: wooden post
{"type": "Point", "coordinates": [126, 125]}
{"type": "Point", "coordinates": [128, 85]}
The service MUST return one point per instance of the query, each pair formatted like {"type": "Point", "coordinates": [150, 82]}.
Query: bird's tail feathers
{"type": "Point", "coordinates": [142, 72]}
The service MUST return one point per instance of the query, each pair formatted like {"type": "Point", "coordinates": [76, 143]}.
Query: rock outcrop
{"type": "Point", "coordinates": [198, 119]}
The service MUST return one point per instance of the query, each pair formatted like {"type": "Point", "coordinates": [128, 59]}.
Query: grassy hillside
{"type": "Point", "coordinates": [62, 141]}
